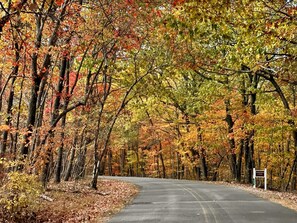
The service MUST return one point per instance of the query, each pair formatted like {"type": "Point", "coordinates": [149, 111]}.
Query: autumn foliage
{"type": "Point", "coordinates": [182, 89]}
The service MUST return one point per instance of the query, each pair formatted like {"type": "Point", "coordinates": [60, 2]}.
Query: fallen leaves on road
{"type": "Point", "coordinates": [76, 202]}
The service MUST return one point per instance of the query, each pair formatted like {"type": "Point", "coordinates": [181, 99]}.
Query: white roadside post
{"type": "Point", "coordinates": [254, 177]}
{"type": "Point", "coordinates": [260, 174]}
{"type": "Point", "coordinates": [265, 179]}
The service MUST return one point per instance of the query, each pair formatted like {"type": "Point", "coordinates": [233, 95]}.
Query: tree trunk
{"type": "Point", "coordinates": [137, 161]}
{"type": "Point", "coordinates": [156, 157]}
{"type": "Point", "coordinates": [163, 166]}
{"type": "Point", "coordinates": [59, 164]}
{"type": "Point", "coordinates": [232, 154]}
{"type": "Point", "coordinates": [239, 159]}
{"type": "Point", "coordinates": [95, 176]}
{"type": "Point", "coordinates": [16, 135]}
{"type": "Point", "coordinates": [57, 104]}
{"type": "Point", "coordinates": [198, 173]}
{"type": "Point", "coordinates": [215, 175]}
{"type": "Point", "coordinates": [97, 159]}
{"type": "Point", "coordinates": [142, 163]}
{"type": "Point", "coordinates": [37, 77]}
{"type": "Point", "coordinates": [31, 116]}
{"type": "Point", "coordinates": [204, 168]}
{"type": "Point", "coordinates": [46, 168]}
{"type": "Point", "coordinates": [122, 161]}
{"type": "Point", "coordinates": [178, 170]}
{"type": "Point", "coordinates": [102, 166]}
{"type": "Point", "coordinates": [110, 162]}
{"type": "Point", "coordinates": [249, 154]}
{"type": "Point", "coordinates": [254, 80]}
{"type": "Point", "coordinates": [293, 173]}
{"type": "Point", "coordinates": [8, 119]}
{"type": "Point", "coordinates": [71, 159]}
{"type": "Point", "coordinates": [96, 165]}
{"type": "Point", "coordinates": [81, 160]}
{"type": "Point", "coordinates": [10, 99]}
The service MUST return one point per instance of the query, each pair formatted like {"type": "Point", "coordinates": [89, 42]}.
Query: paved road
{"type": "Point", "coordinates": [164, 200]}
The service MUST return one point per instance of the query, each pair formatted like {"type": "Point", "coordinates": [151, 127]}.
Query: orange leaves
{"type": "Point", "coordinates": [102, 87]}
{"type": "Point", "coordinates": [17, 5]}
{"type": "Point", "coordinates": [4, 128]}
{"type": "Point", "coordinates": [178, 2]}
{"type": "Point", "coordinates": [292, 10]}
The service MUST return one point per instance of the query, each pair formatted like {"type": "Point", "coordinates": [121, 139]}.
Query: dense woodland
{"type": "Point", "coordinates": [185, 89]}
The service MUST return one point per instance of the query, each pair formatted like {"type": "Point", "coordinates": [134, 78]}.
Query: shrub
{"type": "Point", "coordinates": [18, 196]}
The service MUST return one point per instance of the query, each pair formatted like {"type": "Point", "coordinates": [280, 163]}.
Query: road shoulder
{"type": "Point", "coordinates": [286, 199]}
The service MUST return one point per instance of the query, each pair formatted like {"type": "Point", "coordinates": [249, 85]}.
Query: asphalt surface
{"type": "Point", "coordinates": [164, 200]}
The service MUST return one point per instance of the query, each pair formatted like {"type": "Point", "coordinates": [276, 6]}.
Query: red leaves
{"type": "Point", "coordinates": [43, 70]}
{"type": "Point", "coordinates": [130, 2]}
{"type": "Point", "coordinates": [59, 2]}
{"type": "Point", "coordinates": [178, 2]}
{"type": "Point", "coordinates": [15, 7]}
{"type": "Point", "coordinates": [157, 12]}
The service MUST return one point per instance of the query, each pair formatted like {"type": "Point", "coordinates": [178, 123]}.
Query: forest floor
{"type": "Point", "coordinates": [76, 202]}
{"type": "Point", "coordinates": [286, 199]}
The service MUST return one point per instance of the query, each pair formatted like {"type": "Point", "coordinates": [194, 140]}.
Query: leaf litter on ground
{"type": "Point", "coordinates": [75, 201]}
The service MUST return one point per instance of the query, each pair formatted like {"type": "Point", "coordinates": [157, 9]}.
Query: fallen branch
{"type": "Point", "coordinates": [104, 194]}
{"type": "Point", "coordinates": [43, 196]}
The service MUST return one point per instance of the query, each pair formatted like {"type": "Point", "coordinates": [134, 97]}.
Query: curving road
{"type": "Point", "coordinates": [165, 200]}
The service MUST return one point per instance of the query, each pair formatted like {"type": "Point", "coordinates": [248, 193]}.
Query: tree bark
{"type": "Point", "coordinates": [122, 161]}
{"type": "Point", "coordinates": [109, 162]}
{"type": "Point", "coordinates": [56, 107]}
{"type": "Point", "coordinates": [163, 166]}
{"type": "Point", "coordinates": [215, 175]}
{"type": "Point", "coordinates": [10, 100]}
{"type": "Point", "coordinates": [232, 154]}
{"type": "Point", "coordinates": [59, 164]}
{"type": "Point", "coordinates": [178, 166]}
{"type": "Point", "coordinates": [71, 159]}
{"type": "Point", "coordinates": [204, 168]}
{"type": "Point", "coordinates": [81, 160]}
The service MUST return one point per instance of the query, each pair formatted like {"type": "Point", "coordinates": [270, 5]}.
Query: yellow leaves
{"type": "Point", "coordinates": [20, 193]}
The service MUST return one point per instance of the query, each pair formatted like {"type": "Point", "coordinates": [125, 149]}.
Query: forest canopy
{"type": "Point", "coordinates": [182, 89]}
